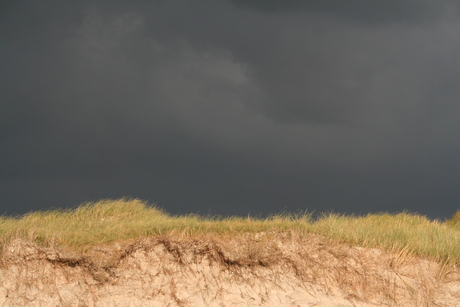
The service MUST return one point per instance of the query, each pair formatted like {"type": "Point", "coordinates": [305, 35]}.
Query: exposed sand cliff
{"type": "Point", "coordinates": [264, 269]}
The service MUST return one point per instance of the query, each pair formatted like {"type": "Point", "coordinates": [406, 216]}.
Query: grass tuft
{"type": "Point", "coordinates": [455, 220]}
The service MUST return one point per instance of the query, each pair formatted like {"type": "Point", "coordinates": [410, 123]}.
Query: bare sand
{"type": "Point", "coordinates": [264, 269]}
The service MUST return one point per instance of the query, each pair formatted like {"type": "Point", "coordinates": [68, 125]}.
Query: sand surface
{"type": "Point", "coordinates": [247, 270]}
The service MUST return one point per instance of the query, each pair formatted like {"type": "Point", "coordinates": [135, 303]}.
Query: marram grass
{"type": "Point", "coordinates": [402, 231]}
{"type": "Point", "coordinates": [111, 220]}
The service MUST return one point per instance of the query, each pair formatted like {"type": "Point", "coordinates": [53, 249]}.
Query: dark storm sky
{"type": "Point", "coordinates": [231, 107]}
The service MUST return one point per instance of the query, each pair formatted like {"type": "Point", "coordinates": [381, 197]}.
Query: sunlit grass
{"type": "Point", "coordinates": [111, 220]}
{"type": "Point", "coordinates": [402, 231]}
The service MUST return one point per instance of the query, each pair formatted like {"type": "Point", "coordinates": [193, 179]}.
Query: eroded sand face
{"type": "Point", "coordinates": [265, 269]}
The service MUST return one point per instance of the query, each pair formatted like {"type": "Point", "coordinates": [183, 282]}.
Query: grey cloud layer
{"type": "Point", "coordinates": [232, 106]}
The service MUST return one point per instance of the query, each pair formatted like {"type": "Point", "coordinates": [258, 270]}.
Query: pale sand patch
{"type": "Point", "coordinates": [265, 269]}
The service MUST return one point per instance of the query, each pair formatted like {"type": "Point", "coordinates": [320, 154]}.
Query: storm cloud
{"type": "Point", "coordinates": [231, 107]}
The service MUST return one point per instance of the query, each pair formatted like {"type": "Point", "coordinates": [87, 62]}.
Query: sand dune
{"type": "Point", "coordinates": [263, 269]}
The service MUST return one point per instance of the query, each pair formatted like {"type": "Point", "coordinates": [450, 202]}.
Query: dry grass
{"type": "Point", "coordinates": [121, 242]}
{"type": "Point", "coordinates": [107, 221]}
{"type": "Point", "coordinates": [111, 220]}
{"type": "Point", "coordinates": [401, 232]}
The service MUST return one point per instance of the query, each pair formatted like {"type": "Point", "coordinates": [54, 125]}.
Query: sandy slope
{"type": "Point", "coordinates": [275, 269]}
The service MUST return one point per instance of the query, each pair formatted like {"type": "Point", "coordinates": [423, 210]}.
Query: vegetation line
{"type": "Point", "coordinates": [107, 221]}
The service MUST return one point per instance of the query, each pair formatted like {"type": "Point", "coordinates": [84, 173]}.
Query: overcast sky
{"type": "Point", "coordinates": [231, 107]}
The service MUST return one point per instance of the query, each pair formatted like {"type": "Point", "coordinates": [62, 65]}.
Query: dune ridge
{"type": "Point", "coordinates": [126, 252]}
{"type": "Point", "coordinates": [249, 269]}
